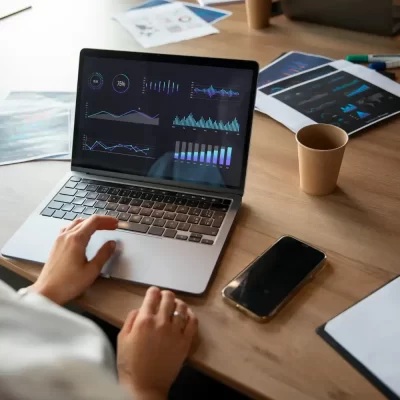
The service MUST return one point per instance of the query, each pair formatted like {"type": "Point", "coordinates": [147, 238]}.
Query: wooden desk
{"type": "Point", "coordinates": [358, 226]}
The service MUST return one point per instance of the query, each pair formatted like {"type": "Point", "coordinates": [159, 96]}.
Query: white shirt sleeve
{"type": "Point", "coordinates": [48, 352]}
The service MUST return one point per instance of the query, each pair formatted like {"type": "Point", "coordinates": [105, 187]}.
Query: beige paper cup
{"type": "Point", "coordinates": [320, 149]}
{"type": "Point", "coordinates": [258, 13]}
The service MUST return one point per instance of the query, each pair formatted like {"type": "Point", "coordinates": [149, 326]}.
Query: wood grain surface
{"type": "Point", "coordinates": [358, 226]}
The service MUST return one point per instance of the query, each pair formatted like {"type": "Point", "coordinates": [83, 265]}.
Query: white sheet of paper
{"type": "Point", "coordinates": [10, 7]}
{"type": "Point", "coordinates": [295, 120]}
{"type": "Point", "coordinates": [169, 23]}
{"type": "Point", "coordinates": [370, 332]}
{"type": "Point", "coordinates": [209, 2]}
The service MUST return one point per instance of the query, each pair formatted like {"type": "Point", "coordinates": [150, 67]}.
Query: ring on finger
{"type": "Point", "coordinates": [180, 315]}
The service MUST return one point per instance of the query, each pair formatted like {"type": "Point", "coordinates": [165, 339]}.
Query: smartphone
{"type": "Point", "coordinates": [273, 278]}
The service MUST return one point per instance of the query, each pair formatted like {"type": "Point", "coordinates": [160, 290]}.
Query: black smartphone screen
{"type": "Point", "coordinates": [263, 286]}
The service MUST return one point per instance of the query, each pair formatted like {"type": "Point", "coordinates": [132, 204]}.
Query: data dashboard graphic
{"type": "Point", "coordinates": [361, 89]}
{"type": "Point", "coordinates": [125, 149]}
{"type": "Point", "coordinates": [96, 81]}
{"type": "Point", "coordinates": [132, 116]}
{"type": "Point", "coordinates": [121, 83]}
{"type": "Point", "coordinates": [348, 108]}
{"type": "Point", "coordinates": [212, 92]}
{"type": "Point", "coordinates": [203, 153]}
{"type": "Point", "coordinates": [166, 87]}
{"type": "Point", "coordinates": [191, 122]}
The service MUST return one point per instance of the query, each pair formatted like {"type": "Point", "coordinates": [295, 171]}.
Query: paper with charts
{"type": "Point", "coordinates": [169, 23]}
{"type": "Point", "coordinates": [340, 93]}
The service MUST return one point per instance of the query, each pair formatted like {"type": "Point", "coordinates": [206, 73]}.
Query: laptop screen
{"type": "Point", "coordinates": [171, 118]}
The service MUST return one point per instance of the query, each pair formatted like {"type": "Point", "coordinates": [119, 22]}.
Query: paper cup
{"type": "Point", "coordinates": [320, 149]}
{"type": "Point", "coordinates": [258, 13]}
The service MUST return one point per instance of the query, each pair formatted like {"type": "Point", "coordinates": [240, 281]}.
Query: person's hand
{"type": "Point", "coordinates": [153, 344]}
{"type": "Point", "coordinates": [67, 272]}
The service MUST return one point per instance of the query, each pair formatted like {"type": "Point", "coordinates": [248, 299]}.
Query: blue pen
{"type": "Point", "coordinates": [381, 66]}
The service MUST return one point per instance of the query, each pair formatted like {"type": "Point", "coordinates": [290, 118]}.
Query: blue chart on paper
{"type": "Point", "coordinates": [191, 122]}
{"type": "Point", "coordinates": [361, 89]}
{"type": "Point", "coordinates": [348, 108]}
{"type": "Point", "coordinates": [362, 114]}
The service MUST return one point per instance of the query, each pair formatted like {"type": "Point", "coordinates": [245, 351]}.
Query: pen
{"type": "Point", "coordinates": [381, 66]}
{"type": "Point", "coordinates": [364, 58]}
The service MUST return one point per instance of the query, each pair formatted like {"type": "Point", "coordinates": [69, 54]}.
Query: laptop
{"type": "Point", "coordinates": [160, 142]}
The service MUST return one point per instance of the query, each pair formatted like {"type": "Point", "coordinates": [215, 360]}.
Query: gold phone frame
{"type": "Point", "coordinates": [292, 294]}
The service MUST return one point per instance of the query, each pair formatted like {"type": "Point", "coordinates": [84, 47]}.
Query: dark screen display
{"type": "Point", "coordinates": [267, 283]}
{"type": "Point", "coordinates": [169, 121]}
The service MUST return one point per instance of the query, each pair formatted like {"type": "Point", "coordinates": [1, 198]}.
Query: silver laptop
{"type": "Point", "coordinates": [160, 142]}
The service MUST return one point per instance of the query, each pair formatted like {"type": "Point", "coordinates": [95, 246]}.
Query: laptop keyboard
{"type": "Point", "coordinates": [174, 215]}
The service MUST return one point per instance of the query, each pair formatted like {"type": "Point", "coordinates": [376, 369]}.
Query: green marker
{"type": "Point", "coordinates": [370, 58]}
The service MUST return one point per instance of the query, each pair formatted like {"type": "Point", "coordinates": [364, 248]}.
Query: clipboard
{"type": "Point", "coordinates": [353, 361]}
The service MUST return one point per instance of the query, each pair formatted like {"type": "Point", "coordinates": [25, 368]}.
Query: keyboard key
{"type": "Point", "coordinates": [114, 199]}
{"type": "Point", "coordinates": [101, 212]}
{"type": "Point", "coordinates": [218, 219]}
{"type": "Point", "coordinates": [169, 199]}
{"type": "Point", "coordinates": [182, 209]}
{"type": "Point", "coordinates": [204, 230]}
{"type": "Point", "coordinates": [180, 202]}
{"type": "Point", "coordinates": [194, 197]}
{"type": "Point", "coordinates": [170, 215]}
{"type": "Point", "coordinates": [146, 196]}
{"type": "Point", "coordinates": [134, 210]}
{"type": "Point", "coordinates": [148, 204]}
{"type": "Point", "coordinates": [92, 188]}
{"type": "Point", "coordinates": [193, 219]}
{"type": "Point", "coordinates": [158, 197]}
{"type": "Point", "coordinates": [204, 205]}
{"type": "Point", "coordinates": [111, 206]}
{"type": "Point", "coordinates": [131, 226]}
{"type": "Point", "coordinates": [207, 213]}
{"type": "Point", "coordinates": [171, 224]}
{"type": "Point", "coordinates": [59, 214]}
{"type": "Point", "coordinates": [157, 214]}
{"type": "Point", "coordinates": [81, 186]}
{"type": "Point", "coordinates": [219, 207]}
{"type": "Point", "coordinates": [170, 233]}
{"type": "Point", "coordinates": [74, 179]}
{"type": "Point", "coordinates": [192, 203]}
{"type": "Point", "coordinates": [181, 237]}
{"type": "Point", "coordinates": [194, 239]}
{"type": "Point", "coordinates": [92, 195]}
{"type": "Point", "coordinates": [205, 199]}
{"type": "Point", "coordinates": [63, 199]}
{"type": "Point", "coordinates": [206, 221]}
{"type": "Point", "coordinates": [113, 213]}
{"type": "Point", "coordinates": [103, 197]}
{"type": "Point", "coordinates": [195, 211]}
{"type": "Point", "coordinates": [83, 216]}
{"type": "Point", "coordinates": [183, 226]}
{"type": "Point", "coordinates": [56, 205]}
{"type": "Point", "coordinates": [171, 207]}
{"type": "Point", "coordinates": [159, 206]}
{"type": "Point", "coordinates": [89, 203]}
{"type": "Point", "coordinates": [89, 211]}
{"type": "Point", "coordinates": [147, 220]}
{"type": "Point", "coordinates": [88, 181]}
{"type": "Point", "coordinates": [196, 235]}
{"type": "Point", "coordinates": [48, 212]}
{"type": "Point", "coordinates": [125, 200]}
{"type": "Point", "coordinates": [100, 204]}
{"type": "Point", "coordinates": [103, 189]}
{"type": "Point", "coordinates": [136, 202]}
{"type": "Point", "coordinates": [135, 218]}
{"type": "Point", "coordinates": [124, 216]}
{"type": "Point", "coordinates": [159, 222]}
{"type": "Point", "coordinates": [70, 185]}
{"type": "Point", "coordinates": [123, 208]}
{"type": "Point", "coordinates": [157, 231]}
{"type": "Point", "coordinates": [67, 207]}
{"type": "Point", "coordinates": [81, 193]}
{"type": "Point", "coordinates": [227, 202]}
{"type": "Point", "coordinates": [135, 195]}
{"type": "Point", "coordinates": [124, 193]}
{"type": "Point", "coordinates": [78, 209]}
{"type": "Point", "coordinates": [216, 201]}
{"type": "Point", "coordinates": [146, 212]}
{"type": "Point", "coordinates": [70, 216]}
{"type": "Point", "coordinates": [113, 191]}
{"type": "Point", "coordinates": [181, 218]}
{"type": "Point", "coordinates": [78, 200]}
{"type": "Point", "coordinates": [207, 241]}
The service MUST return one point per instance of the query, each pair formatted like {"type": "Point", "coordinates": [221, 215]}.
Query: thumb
{"type": "Point", "coordinates": [102, 256]}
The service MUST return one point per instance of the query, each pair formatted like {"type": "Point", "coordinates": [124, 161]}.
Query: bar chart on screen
{"type": "Point", "coordinates": [203, 153]}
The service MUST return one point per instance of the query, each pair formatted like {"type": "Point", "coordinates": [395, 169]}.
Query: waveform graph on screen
{"type": "Point", "coordinates": [132, 116]}
{"type": "Point", "coordinates": [166, 87]}
{"type": "Point", "coordinates": [191, 122]}
{"type": "Point", "coordinates": [214, 92]}
{"type": "Point", "coordinates": [125, 149]}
